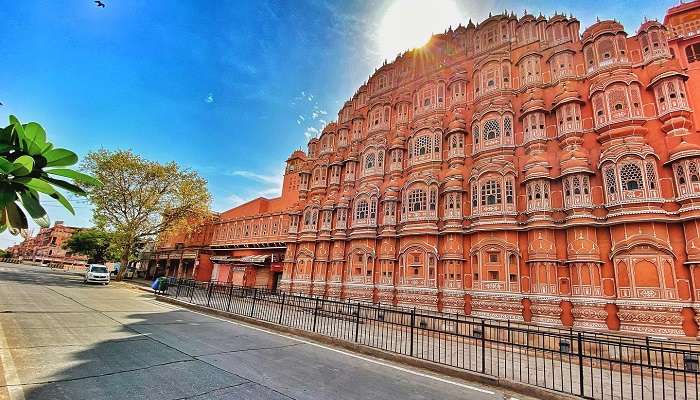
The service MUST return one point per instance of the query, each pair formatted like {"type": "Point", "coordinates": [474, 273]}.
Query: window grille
{"type": "Point", "coordinates": [422, 146]}
{"type": "Point", "coordinates": [491, 129]}
{"type": "Point", "coordinates": [507, 127]}
{"type": "Point", "coordinates": [361, 210]}
{"type": "Point", "coordinates": [610, 181]}
{"type": "Point", "coordinates": [651, 175]}
{"type": "Point", "coordinates": [509, 192]}
{"type": "Point", "coordinates": [680, 174]}
{"type": "Point", "coordinates": [631, 177]}
{"type": "Point", "coordinates": [369, 161]}
{"type": "Point", "coordinates": [417, 200]}
{"type": "Point", "coordinates": [491, 193]}
{"type": "Point", "coordinates": [693, 172]}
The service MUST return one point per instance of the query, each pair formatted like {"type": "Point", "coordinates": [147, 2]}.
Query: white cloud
{"type": "Point", "coordinates": [268, 185]}
{"type": "Point", "coordinates": [269, 179]}
{"type": "Point", "coordinates": [210, 98]}
{"type": "Point", "coordinates": [234, 200]}
{"type": "Point", "coordinates": [310, 132]}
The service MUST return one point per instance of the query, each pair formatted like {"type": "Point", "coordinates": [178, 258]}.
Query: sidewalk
{"type": "Point", "coordinates": [606, 371]}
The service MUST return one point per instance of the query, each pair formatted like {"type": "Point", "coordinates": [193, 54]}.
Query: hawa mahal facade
{"type": "Point", "coordinates": [513, 169]}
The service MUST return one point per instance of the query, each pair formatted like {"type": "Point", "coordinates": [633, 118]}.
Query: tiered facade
{"type": "Point", "coordinates": [511, 169]}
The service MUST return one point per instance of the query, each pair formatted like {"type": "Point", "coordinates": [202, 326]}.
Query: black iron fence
{"type": "Point", "coordinates": [586, 364]}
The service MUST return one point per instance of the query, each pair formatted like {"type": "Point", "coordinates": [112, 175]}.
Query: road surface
{"type": "Point", "coordinates": [61, 339]}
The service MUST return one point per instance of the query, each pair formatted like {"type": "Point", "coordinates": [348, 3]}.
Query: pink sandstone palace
{"type": "Point", "coordinates": [513, 169]}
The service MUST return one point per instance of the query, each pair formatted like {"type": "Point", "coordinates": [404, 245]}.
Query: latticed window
{"type": "Point", "coordinates": [680, 174]}
{"type": "Point", "coordinates": [631, 177]}
{"type": "Point", "coordinates": [380, 159]}
{"type": "Point", "coordinates": [433, 199]}
{"type": "Point", "coordinates": [369, 161]}
{"type": "Point", "coordinates": [651, 175]}
{"type": "Point", "coordinates": [491, 193]}
{"type": "Point", "coordinates": [417, 199]}
{"type": "Point", "coordinates": [617, 102]}
{"type": "Point", "coordinates": [475, 197]}
{"type": "Point", "coordinates": [510, 198]}
{"type": "Point", "coordinates": [476, 134]}
{"type": "Point", "coordinates": [610, 181]}
{"type": "Point", "coordinates": [693, 172]}
{"type": "Point", "coordinates": [491, 129]}
{"type": "Point", "coordinates": [422, 146]}
{"type": "Point", "coordinates": [606, 49]}
{"type": "Point", "coordinates": [362, 210]}
{"type": "Point", "coordinates": [507, 127]}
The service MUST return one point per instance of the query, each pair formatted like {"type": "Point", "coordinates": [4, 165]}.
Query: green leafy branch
{"type": "Point", "coordinates": [30, 165]}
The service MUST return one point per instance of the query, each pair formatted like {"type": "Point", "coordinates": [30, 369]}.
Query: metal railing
{"type": "Point", "coordinates": [585, 364]}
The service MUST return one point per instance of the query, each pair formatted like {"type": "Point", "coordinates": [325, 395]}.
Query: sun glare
{"type": "Point", "coordinates": [409, 23]}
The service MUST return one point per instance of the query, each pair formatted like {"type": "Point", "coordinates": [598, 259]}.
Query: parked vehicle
{"type": "Point", "coordinates": [130, 272]}
{"type": "Point", "coordinates": [97, 273]}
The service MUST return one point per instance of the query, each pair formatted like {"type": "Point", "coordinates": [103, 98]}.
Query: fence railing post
{"type": "Point", "coordinates": [177, 290]}
{"type": "Point", "coordinates": [194, 283]}
{"type": "Point", "coordinates": [209, 290]}
{"type": "Point", "coordinates": [252, 309]}
{"type": "Point", "coordinates": [413, 324]}
{"type": "Point", "coordinates": [315, 314]}
{"type": "Point", "coordinates": [357, 322]}
{"type": "Point", "coordinates": [230, 294]}
{"type": "Point", "coordinates": [580, 364]}
{"type": "Point", "coordinates": [483, 346]}
{"type": "Point", "coordinates": [284, 298]}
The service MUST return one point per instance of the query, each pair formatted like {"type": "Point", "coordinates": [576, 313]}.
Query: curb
{"type": "Point", "coordinates": [520, 388]}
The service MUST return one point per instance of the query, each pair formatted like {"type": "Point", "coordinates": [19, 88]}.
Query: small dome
{"type": "Point", "coordinates": [398, 142]}
{"type": "Point", "coordinates": [652, 24]}
{"type": "Point", "coordinates": [453, 184]}
{"type": "Point", "coordinates": [684, 150]}
{"type": "Point", "coordinates": [565, 94]}
{"type": "Point", "coordinates": [457, 125]}
{"type": "Point", "coordinates": [600, 28]}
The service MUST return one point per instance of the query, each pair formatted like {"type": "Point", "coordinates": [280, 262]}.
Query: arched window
{"type": "Point", "coordinates": [417, 199]}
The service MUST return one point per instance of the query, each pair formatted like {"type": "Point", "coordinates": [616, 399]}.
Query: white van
{"type": "Point", "coordinates": [97, 273]}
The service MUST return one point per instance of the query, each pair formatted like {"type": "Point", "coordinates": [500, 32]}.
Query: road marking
{"type": "Point", "coordinates": [462, 385]}
{"type": "Point", "coordinates": [14, 386]}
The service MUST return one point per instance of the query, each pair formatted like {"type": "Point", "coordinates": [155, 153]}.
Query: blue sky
{"type": "Point", "coordinates": [227, 88]}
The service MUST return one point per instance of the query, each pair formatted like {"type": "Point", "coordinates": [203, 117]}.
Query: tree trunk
{"type": "Point", "coordinates": [124, 260]}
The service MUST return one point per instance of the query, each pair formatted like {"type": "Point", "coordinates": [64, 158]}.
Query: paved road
{"type": "Point", "coordinates": [60, 339]}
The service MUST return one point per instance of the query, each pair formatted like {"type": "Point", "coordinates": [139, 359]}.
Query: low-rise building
{"type": "Point", "coordinates": [47, 247]}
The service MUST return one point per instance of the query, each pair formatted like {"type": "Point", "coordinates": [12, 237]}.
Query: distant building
{"type": "Point", "coordinates": [514, 169]}
{"type": "Point", "coordinates": [46, 247]}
